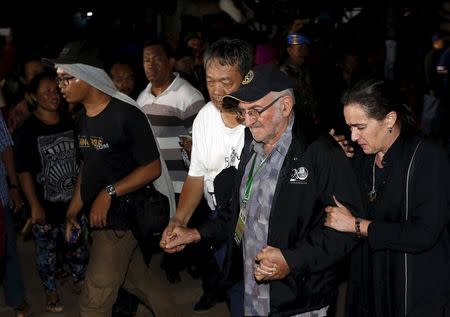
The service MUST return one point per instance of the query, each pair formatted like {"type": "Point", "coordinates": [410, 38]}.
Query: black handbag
{"type": "Point", "coordinates": [150, 210]}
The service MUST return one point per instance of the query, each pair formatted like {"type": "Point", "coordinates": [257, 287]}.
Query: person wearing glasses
{"type": "Point", "coordinates": [401, 268]}
{"type": "Point", "coordinates": [278, 249]}
{"type": "Point", "coordinates": [119, 155]}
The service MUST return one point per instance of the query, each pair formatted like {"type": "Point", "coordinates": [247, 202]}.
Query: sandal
{"type": "Point", "coordinates": [24, 310]}
{"type": "Point", "coordinates": [77, 287]}
{"type": "Point", "coordinates": [53, 303]}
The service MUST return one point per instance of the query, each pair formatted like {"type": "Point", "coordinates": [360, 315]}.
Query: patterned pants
{"type": "Point", "coordinates": [50, 239]}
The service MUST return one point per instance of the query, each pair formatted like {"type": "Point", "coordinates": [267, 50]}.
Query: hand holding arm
{"type": "Point", "coordinates": [173, 223]}
{"type": "Point", "coordinates": [180, 237]}
{"type": "Point", "coordinates": [345, 145]}
{"type": "Point", "coordinates": [340, 218]}
{"type": "Point", "coordinates": [190, 197]}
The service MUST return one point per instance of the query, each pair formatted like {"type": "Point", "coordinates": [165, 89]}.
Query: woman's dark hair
{"type": "Point", "coordinates": [36, 81]}
{"type": "Point", "coordinates": [378, 98]}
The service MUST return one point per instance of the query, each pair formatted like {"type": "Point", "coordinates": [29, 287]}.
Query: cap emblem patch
{"type": "Point", "coordinates": [248, 78]}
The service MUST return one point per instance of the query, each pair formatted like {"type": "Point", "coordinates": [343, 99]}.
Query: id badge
{"type": "Point", "coordinates": [240, 226]}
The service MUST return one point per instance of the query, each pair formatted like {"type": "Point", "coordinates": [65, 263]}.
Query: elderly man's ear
{"type": "Point", "coordinates": [286, 105]}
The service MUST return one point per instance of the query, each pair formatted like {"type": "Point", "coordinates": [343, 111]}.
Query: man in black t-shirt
{"type": "Point", "coordinates": [119, 156]}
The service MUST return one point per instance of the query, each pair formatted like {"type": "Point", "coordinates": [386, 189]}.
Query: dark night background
{"type": "Point", "coordinates": [47, 27]}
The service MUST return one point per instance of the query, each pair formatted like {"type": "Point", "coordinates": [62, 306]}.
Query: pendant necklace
{"type": "Point", "coordinates": [373, 192]}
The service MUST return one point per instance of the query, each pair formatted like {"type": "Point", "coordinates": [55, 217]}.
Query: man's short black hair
{"type": "Point", "coordinates": [161, 41]}
{"type": "Point", "coordinates": [230, 52]}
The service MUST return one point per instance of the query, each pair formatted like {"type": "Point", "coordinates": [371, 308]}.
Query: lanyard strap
{"type": "Point", "coordinates": [251, 176]}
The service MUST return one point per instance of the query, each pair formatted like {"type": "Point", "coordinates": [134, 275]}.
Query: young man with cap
{"type": "Point", "coordinates": [277, 243]}
{"type": "Point", "coordinates": [119, 155]}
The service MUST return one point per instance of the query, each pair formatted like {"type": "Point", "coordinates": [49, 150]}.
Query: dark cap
{"type": "Point", "coordinates": [79, 52]}
{"type": "Point", "coordinates": [258, 82]}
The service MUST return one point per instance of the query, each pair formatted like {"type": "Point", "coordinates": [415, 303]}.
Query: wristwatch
{"type": "Point", "coordinates": [111, 190]}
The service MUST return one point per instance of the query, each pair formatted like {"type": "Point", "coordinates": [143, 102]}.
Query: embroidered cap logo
{"type": "Point", "coordinates": [248, 78]}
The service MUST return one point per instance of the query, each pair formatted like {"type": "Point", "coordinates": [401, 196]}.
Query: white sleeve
{"type": "Point", "coordinates": [199, 147]}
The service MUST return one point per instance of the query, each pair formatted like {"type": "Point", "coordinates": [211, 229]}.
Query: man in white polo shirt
{"type": "Point", "coordinates": [171, 104]}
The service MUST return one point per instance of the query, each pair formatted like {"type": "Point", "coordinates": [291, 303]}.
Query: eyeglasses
{"type": "Point", "coordinates": [253, 113]}
{"type": "Point", "coordinates": [64, 81]}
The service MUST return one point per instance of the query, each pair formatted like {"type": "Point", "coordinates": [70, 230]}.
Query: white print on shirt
{"type": "Point", "coordinates": [59, 167]}
{"type": "Point", "coordinates": [233, 159]}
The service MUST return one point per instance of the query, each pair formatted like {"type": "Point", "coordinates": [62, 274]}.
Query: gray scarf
{"type": "Point", "coordinates": [98, 78]}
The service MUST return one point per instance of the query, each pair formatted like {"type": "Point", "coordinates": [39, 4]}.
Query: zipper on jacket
{"type": "Point", "coordinates": [406, 219]}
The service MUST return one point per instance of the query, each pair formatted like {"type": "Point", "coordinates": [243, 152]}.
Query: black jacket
{"type": "Point", "coordinates": [296, 224]}
{"type": "Point", "coordinates": [415, 246]}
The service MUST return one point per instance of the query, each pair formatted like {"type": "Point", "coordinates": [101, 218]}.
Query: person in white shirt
{"type": "Point", "coordinates": [171, 104]}
{"type": "Point", "coordinates": [218, 136]}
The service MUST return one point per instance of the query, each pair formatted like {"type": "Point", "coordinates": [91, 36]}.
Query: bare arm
{"type": "Point", "coordinates": [29, 189]}
{"type": "Point", "coordinates": [190, 197]}
{"type": "Point", "coordinates": [141, 176]}
{"type": "Point", "coordinates": [14, 194]}
{"type": "Point", "coordinates": [74, 207]}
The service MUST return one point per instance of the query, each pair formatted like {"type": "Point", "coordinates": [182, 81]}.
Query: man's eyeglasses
{"type": "Point", "coordinates": [64, 81]}
{"type": "Point", "coordinates": [253, 113]}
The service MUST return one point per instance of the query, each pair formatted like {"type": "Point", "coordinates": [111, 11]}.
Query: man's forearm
{"type": "Point", "coordinates": [190, 198]}
{"type": "Point", "coordinates": [76, 203]}
{"type": "Point", "coordinates": [141, 176]}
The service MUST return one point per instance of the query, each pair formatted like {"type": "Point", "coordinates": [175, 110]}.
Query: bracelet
{"type": "Point", "coordinates": [358, 227]}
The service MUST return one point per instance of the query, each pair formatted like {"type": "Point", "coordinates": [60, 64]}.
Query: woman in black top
{"type": "Point", "coordinates": [47, 168]}
{"type": "Point", "coordinates": [402, 268]}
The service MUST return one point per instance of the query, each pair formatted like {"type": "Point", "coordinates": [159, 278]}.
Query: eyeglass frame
{"type": "Point", "coordinates": [65, 81]}
{"type": "Point", "coordinates": [253, 113]}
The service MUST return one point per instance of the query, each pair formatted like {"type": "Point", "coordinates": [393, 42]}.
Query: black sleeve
{"type": "Point", "coordinates": [428, 206]}
{"type": "Point", "coordinates": [323, 246]}
{"type": "Point", "coordinates": [143, 143]}
{"type": "Point", "coordinates": [219, 228]}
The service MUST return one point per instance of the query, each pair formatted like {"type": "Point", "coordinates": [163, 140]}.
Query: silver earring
{"type": "Point", "coordinates": [390, 129]}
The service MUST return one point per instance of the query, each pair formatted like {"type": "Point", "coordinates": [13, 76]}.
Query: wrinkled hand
{"type": "Point", "coordinates": [37, 214]}
{"type": "Point", "coordinates": [343, 142]}
{"type": "Point", "coordinates": [180, 237]}
{"type": "Point", "coordinates": [272, 264]}
{"type": "Point", "coordinates": [339, 217]}
{"type": "Point", "coordinates": [264, 270]}
{"type": "Point", "coordinates": [15, 199]}
{"type": "Point", "coordinates": [99, 210]}
{"type": "Point", "coordinates": [173, 223]}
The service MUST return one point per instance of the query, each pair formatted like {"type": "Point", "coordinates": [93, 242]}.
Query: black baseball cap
{"type": "Point", "coordinates": [258, 82]}
{"type": "Point", "coordinates": [78, 52]}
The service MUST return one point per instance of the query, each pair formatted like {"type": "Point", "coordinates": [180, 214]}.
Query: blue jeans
{"type": "Point", "coordinates": [13, 278]}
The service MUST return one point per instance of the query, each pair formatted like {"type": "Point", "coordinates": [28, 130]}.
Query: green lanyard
{"type": "Point", "coordinates": [249, 184]}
